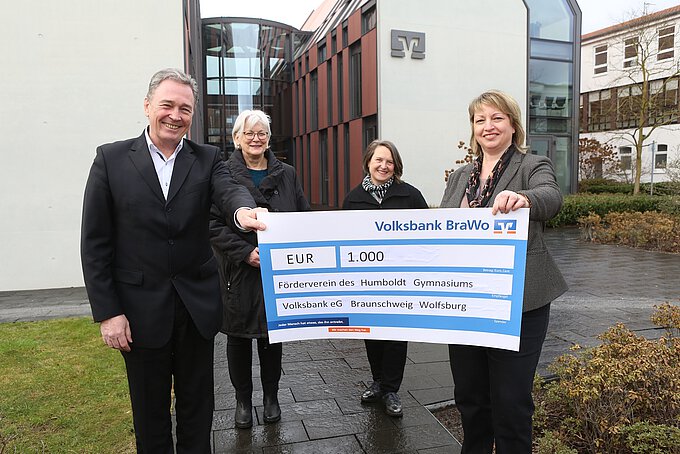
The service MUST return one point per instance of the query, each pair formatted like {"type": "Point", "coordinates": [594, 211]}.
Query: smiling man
{"type": "Point", "coordinates": [149, 269]}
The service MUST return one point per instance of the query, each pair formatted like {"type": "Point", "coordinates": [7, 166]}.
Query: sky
{"type": "Point", "coordinates": [597, 14]}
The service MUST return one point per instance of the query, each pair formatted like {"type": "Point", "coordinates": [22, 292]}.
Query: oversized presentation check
{"type": "Point", "coordinates": [432, 275]}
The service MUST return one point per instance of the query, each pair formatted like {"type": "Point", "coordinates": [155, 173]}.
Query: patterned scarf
{"type": "Point", "coordinates": [377, 191]}
{"type": "Point", "coordinates": [485, 193]}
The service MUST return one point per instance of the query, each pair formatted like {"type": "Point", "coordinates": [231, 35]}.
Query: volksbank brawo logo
{"type": "Point", "coordinates": [505, 226]}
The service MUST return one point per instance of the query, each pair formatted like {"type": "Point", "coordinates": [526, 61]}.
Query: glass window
{"type": "Point", "coordinates": [345, 38]}
{"type": "Point", "coordinates": [661, 156]}
{"type": "Point", "coordinates": [368, 20]}
{"type": "Point", "coordinates": [663, 101]}
{"type": "Point", "coordinates": [341, 96]}
{"type": "Point", "coordinates": [551, 20]}
{"type": "Point", "coordinates": [630, 52]}
{"type": "Point", "coordinates": [345, 130]}
{"type": "Point", "coordinates": [336, 168]}
{"type": "Point", "coordinates": [600, 59]}
{"type": "Point", "coordinates": [666, 43]}
{"type": "Point", "coordinates": [323, 157]}
{"type": "Point", "coordinates": [355, 80]}
{"type": "Point", "coordinates": [314, 99]}
{"type": "Point", "coordinates": [562, 161]}
{"type": "Point", "coordinates": [599, 110]}
{"type": "Point", "coordinates": [322, 53]}
{"type": "Point", "coordinates": [329, 92]}
{"type": "Point", "coordinates": [629, 102]}
{"type": "Point", "coordinates": [303, 103]}
{"type": "Point", "coordinates": [625, 157]}
{"type": "Point", "coordinates": [370, 130]}
{"type": "Point", "coordinates": [550, 105]}
{"type": "Point", "coordinates": [551, 50]}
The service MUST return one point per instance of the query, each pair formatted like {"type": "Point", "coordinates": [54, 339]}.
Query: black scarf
{"type": "Point", "coordinates": [485, 193]}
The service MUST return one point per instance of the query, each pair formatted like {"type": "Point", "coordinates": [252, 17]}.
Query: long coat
{"type": "Point", "coordinates": [533, 176]}
{"type": "Point", "coordinates": [138, 249]}
{"type": "Point", "coordinates": [242, 295]}
{"type": "Point", "coordinates": [398, 195]}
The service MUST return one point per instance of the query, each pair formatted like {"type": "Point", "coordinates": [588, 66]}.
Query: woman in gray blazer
{"type": "Point", "coordinates": [493, 386]}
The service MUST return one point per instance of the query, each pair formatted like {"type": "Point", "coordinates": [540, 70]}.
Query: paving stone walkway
{"type": "Point", "coordinates": [322, 379]}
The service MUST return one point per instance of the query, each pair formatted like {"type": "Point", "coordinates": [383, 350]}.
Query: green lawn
{"type": "Point", "coordinates": [62, 390]}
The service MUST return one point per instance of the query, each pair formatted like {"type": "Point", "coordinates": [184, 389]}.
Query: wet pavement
{"type": "Point", "coordinates": [322, 379]}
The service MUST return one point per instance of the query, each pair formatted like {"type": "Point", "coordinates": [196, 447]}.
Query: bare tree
{"type": "Point", "coordinates": [646, 93]}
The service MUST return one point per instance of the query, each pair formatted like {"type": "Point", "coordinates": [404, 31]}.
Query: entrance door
{"type": "Point", "coordinates": [543, 146]}
{"type": "Point", "coordinates": [556, 149]}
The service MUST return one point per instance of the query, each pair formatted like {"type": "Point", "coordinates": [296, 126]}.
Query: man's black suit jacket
{"type": "Point", "coordinates": [136, 247]}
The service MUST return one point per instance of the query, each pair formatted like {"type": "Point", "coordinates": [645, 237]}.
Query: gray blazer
{"type": "Point", "coordinates": [533, 176]}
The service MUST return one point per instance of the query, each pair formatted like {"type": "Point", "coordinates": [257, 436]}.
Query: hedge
{"type": "Point", "coordinates": [576, 206]}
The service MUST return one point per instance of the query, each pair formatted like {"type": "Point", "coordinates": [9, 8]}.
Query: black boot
{"type": "Point", "coordinates": [272, 411]}
{"type": "Point", "coordinates": [243, 418]}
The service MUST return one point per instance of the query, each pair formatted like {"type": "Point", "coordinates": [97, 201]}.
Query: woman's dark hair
{"type": "Point", "coordinates": [396, 157]}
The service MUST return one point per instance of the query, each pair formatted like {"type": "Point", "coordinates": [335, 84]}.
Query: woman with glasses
{"type": "Point", "coordinates": [492, 387]}
{"type": "Point", "coordinates": [274, 185]}
{"type": "Point", "coordinates": [383, 188]}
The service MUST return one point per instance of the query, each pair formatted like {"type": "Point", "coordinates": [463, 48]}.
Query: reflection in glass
{"type": "Point", "coordinates": [248, 66]}
{"type": "Point", "coordinates": [551, 20]}
{"type": "Point", "coordinates": [562, 163]}
{"type": "Point", "coordinates": [550, 106]}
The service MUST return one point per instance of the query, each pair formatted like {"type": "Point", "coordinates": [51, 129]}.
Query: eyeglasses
{"type": "Point", "coordinates": [250, 135]}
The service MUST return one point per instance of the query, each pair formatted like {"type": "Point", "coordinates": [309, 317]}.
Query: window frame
{"type": "Point", "coordinates": [601, 68]}
{"type": "Point", "coordinates": [631, 49]}
{"type": "Point", "coordinates": [668, 51]}
{"type": "Point", "coordinates": [626, 157]}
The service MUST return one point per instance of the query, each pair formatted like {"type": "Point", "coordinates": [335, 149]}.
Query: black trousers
{"type": "Point", "coordinates": [492, 388]}
{"type": "Point", "coordinates": [188, 359]}
{"type": "Point", "coordinates": [240, 359]}
{"type": "Point", "coordinates": [387, 360]}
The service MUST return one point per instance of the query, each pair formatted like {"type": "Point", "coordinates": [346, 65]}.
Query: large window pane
{"type": "Point", "coordinates": [550, 105]}
{"type": "Point", "coordinates": [551, 19]}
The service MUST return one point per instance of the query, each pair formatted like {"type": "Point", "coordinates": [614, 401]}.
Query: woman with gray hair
{"type": "Point", "coordinates": [492, 387]}
{"type": "Point", "coordinates": [274, 185]}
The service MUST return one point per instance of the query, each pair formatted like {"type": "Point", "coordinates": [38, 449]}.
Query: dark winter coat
{"type": "Point", "coordinates": [399, 195]}
{"type": "Point", "coordinates": [241, 284]}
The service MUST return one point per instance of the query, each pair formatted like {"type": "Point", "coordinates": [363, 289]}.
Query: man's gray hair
{"type": "Point", "coordinates": [172, 74]}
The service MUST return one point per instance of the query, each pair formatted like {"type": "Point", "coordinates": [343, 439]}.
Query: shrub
{"type": "Point", "coordinates": [576, 206]}
{"type": "Point", "coordinates": [603, 185]}
{"type": "Point", "coordinates": [549, 443]}
{"type": "Point", "coordinates": [670, 205]}
{"type": "Point", "coordinates": [650, 230]}
{"type": "Point", "coordinates": [645, 438]}
{"type": "Point", "coordinates": [620, 397]}
{"type": "Point", "coordinates": [662, 188]}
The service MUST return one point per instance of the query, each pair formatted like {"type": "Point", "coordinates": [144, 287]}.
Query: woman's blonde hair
{"type": "Point", "coordinates": [506, 104]}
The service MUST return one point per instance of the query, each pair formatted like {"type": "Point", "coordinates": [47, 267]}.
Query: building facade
{"type": "Point", "coordinates": [248, 65]}
{"type": "Point", "coordinates": [629, 94]}
{"type": "Point", "coordinates": [78, 73]}
{"type": "Point", "coordinates": [384, 69]}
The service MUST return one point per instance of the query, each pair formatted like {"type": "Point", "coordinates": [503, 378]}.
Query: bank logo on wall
{"type": "Point", "coordinates": [413, 42]}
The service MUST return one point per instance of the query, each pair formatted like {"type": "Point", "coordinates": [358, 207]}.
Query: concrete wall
{"type": "Point", "coordinates": [470, 47]}
{"type": "Point", "coordinates": [74, 75]}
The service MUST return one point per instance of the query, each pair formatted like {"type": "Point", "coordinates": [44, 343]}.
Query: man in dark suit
{"type": "Point", "coordinates": [149, 270]}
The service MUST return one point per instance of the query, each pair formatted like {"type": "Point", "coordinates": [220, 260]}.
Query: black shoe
{"type": "Point", "coordinates": [243, 418]}
{"type": "Point", "coordinates": [372, 394]}
{"type": "Point", "coordinates": [393, 405]}
{"type": "Point", "coordinates": [272, 410]}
